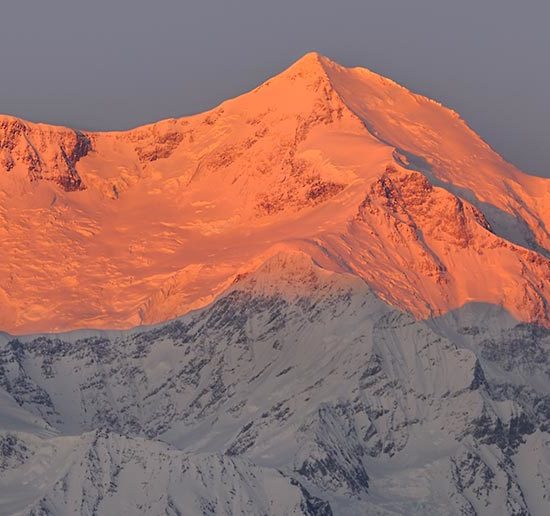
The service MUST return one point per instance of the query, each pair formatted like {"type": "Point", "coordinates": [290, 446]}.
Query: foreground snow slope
{"type": "Point", "coordinates": [112, 230]}
{"type": "Point", "coordinates": [298, 391]}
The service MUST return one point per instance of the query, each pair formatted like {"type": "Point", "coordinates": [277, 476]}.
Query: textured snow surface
{"type": "Point", "coordinates": [365, 290]}
{"type": "Point", "coordinates": [298, 391]}
{"type": "Point", "coordinates": [114, 230]}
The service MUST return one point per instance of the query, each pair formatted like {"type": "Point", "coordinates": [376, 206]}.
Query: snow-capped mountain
{"type": "Point", "coordinates": [347, 298]}
{"type": "Point", "coordinates": [112, 230]}
{"type": "Point", "coordinates": [298, 391]}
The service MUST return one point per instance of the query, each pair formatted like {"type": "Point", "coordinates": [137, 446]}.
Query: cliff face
{"type": "Point", "coordinates": [43, 153]}
{"type": "Point", "coordinates": [112, 230]}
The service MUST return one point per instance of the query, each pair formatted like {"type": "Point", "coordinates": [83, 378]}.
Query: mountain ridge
{"type": "Point", "coordinates": [317, 400]}
{"type": "Point", "coordinates": [117, 229]}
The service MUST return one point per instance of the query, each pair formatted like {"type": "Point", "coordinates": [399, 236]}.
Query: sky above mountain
{"type": "Point", "coordinates": [113, 65]}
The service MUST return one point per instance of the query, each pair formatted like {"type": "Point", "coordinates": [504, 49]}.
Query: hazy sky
{"type": "Point", "coordinates": [113, 64]}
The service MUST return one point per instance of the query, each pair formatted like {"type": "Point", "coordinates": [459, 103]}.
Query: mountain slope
{"type": "Point", "coordinates": [104, 473]}
{"type": "Point", "coordinates": [296, 392]}
{"type": "Point", "coordinates": [111, 230]}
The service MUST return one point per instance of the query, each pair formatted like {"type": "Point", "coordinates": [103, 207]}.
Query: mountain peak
{"type": "Point", "coordinates": [310, 66]}
{"type": "Point", "coordinates": [309, 61]}
{"type": "Point", "coordinates": [313, 63]}
{"type": "Point", "coordinates": [174, 211]}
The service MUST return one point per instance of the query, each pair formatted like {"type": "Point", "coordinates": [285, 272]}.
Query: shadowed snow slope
{"type": "Point", "coordinates": [297, 392]}
{"type": "Point", "coordinates": [112, 230]}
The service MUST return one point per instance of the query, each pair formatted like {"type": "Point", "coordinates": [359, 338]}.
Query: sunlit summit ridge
{"type": "Point", "coordinates": [117, 229]}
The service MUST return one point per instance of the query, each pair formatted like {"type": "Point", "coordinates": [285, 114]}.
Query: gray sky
{"type": "Point", "coordinates": [113, 64]}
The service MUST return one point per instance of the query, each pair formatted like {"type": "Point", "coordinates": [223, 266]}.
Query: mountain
{"type": "Point", "coordinates": [298, 391]}
{"type": "Point", "coordinates": [327, 296]}
{"type": "Point", "coordinates": [113, 230]}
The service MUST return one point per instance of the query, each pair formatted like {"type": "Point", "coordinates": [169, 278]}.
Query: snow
{"type": "Point", "coordinates": [167, 215]}
{"type": "Point", "coordinates": [364, 289]}
{"type": "Point", "coordinates": [295, 376]}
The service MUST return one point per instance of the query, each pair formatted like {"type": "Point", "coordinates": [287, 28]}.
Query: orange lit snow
{"type": "Point", "coordinates": [116, 229]}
